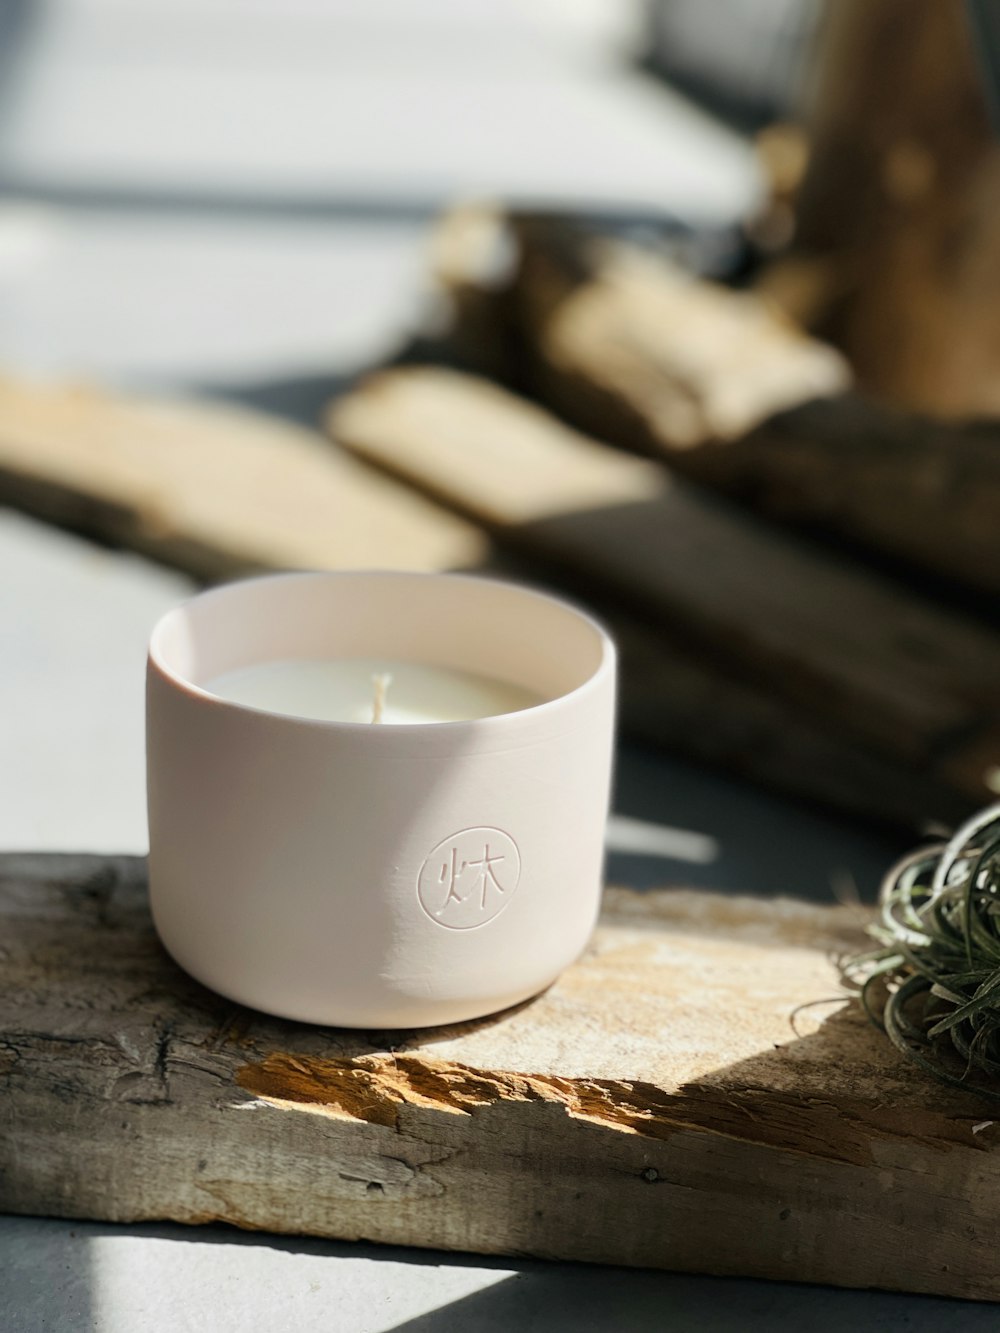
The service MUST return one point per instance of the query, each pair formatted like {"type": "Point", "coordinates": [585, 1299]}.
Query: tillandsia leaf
{"type": "Point", "coordinates": [942, 992]}
{"type": "Point", "coordinates": [932, 984]}
{"type": "Point", "coordinates": [980, 1003]}
{"type": "Point", "coordinates": [978, 882]}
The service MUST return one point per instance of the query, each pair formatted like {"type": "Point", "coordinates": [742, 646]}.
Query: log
{"type": "Point", "coordinates": [213, 490]}
{"type": "Point", "coordinates": [920, 491]}
{"type": "Point", "coordinates": [703, 361]}
{"type": "Point", "coordinates": [684, 703]}
{"type": "Point", "coordinates": [609, 355]}
{"type": "Point", "coordinates": [672, 698]}
{"type": "Point", "coordinates": [661, 1105]}
{"type": "Point", "coordinates": [850, 654]}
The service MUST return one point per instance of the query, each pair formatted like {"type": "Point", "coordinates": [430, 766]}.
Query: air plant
{"type": "Point", "coordinates": [933, 984]}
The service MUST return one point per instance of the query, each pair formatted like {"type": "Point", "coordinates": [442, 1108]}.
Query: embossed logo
{"type": "Point", "coordinates": [469, 878]}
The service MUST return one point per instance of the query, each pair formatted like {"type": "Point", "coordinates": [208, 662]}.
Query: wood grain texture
{"type": "Point", "coordinates": [839, 647]}
{"type": "Point", "coordinates": [213, 490]}
{"type": "Point", "coordinates": [654, 1107]}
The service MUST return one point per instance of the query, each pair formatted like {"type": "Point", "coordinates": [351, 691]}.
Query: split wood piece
{"type": "Point", "coordinates": [913, 488]}
{"type": "Point", "coordinates": [684, 703]}
{"type": "Point", "coordinates": [655, 1107]}
{"type": "Point", "coordinates": [849, 652]}
{"type": "Point", "coordinates": [672, 698]}
{"type": "Point", "coordinates": [726, 359]}
{"type": "Point", "coordinates": [607, 329]}
{"type": "Point", "coordinates": [213, 490]}
{"type": "Point", "coordinates": [921, 491]}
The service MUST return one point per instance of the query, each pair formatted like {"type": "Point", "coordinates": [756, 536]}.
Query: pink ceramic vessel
{"type": "Point", "coordinates": [378, 876]}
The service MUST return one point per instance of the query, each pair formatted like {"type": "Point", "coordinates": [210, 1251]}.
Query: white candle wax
{"type": "Point", "coordinates": [347, 690]}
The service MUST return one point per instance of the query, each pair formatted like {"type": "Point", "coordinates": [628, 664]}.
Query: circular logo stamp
{"type": "Point", "coordinates": [469, 878]}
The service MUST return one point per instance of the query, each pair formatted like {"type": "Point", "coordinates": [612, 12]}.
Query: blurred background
{"type": "Point", "coordinates": [686, 310]}
{"type": "Point", "coordinates": [241, 192]}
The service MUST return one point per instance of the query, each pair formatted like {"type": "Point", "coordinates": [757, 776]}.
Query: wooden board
{"type": "Point", "coordinates": [591, 320]}
{"type": "Point", "coordinates": [626, 347]}
{"type": "Point", "coordinates": [921, 491]}
{"type": "Point", "coordinates": [837, 646]}
{"type": "Point", "coordinates": [655, 1107]}
{"type": "Point", "coordinates": [673, 697]}
{"type": "Point", "coordinates": [213, 490]}
{"type": "Point", "coordinates": [621, 339]}
{"type": "Point", "coordinates": [604, 335]}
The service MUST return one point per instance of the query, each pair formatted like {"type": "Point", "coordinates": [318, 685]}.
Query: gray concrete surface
{"type": "Point", "coordinates": [127, 1279]}
{"type": "Point", "coordinates": [156, 298]}
{"type": "Point", "coordinates": [344, 104]}
{"type": "Point", "coordinates": [74, 620]}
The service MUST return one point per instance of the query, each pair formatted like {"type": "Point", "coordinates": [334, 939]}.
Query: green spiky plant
{"type": "Point", "coordinates": [933, 984]}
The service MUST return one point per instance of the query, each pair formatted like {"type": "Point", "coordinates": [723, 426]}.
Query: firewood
{"type": "Point", "coordinates": [919, 490]}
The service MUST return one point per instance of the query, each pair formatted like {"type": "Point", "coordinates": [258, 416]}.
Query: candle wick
{"type": "Point", "coordinates": [381, 684]}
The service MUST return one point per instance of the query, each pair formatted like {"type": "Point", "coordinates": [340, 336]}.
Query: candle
{"type": "Point", "coordinates": [377, 875]}
{"type": "Point", "coordinates": [371, 690]}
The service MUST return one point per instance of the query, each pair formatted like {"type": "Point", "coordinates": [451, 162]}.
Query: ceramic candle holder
{"type": "Point", "coordinates": [367, 875]}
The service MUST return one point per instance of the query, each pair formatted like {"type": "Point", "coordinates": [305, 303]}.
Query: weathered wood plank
{"type": "Point", "coordinates": [672, 696]}
{"type": "Point", "coordinates": [918, 490]}
{"type": "Point", "coordinates": [606, 330]}
{"type": "Point", "coordinates": [213, 490]}
{"type": "Point", "coordinates": [714, 382]}
{"type": "Point", "coordinates": [891, 673]}
{"type": "Point", "coordinates": [654, 1107]}
{"type": "Point", "coordinates": [694, 361]}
